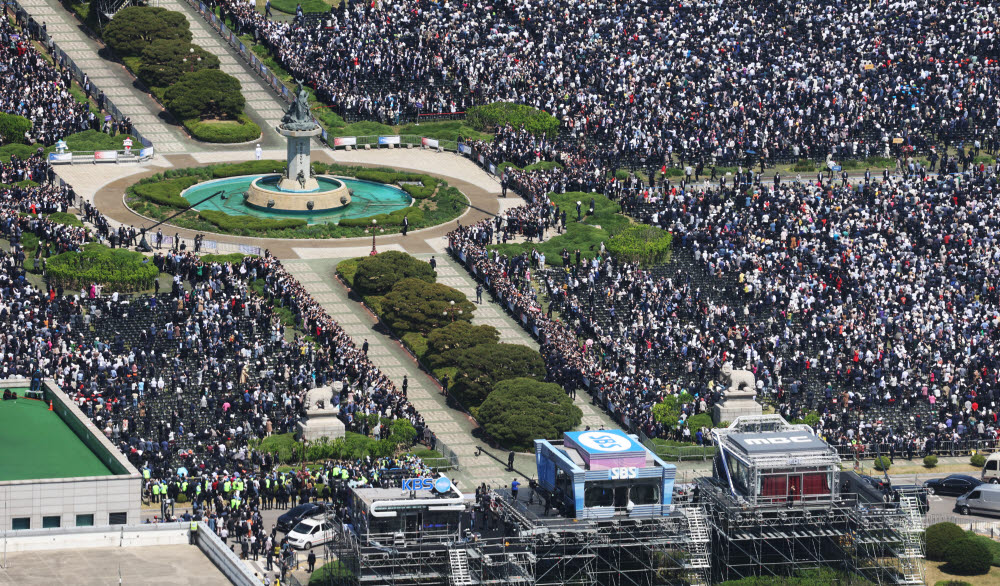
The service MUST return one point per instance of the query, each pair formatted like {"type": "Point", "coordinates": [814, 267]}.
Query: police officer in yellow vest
{"type": "Point", "coordinates": [193, 533]}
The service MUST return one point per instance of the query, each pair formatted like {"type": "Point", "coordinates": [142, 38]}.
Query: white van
{"type": "Point", "coordinates": [984, 499]}
{"type": "Point", "coordinates": [991, 470]}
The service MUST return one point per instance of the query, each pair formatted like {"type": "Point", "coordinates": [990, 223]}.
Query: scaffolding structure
{"type": "Point", "coordinates": [776, 507]}
{"type": "Point", "coordinates": [536, 551]}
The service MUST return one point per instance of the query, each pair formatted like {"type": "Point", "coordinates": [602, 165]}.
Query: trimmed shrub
{"type": "Point", "coordinates": [644, 244]}
{"type": "Point", "coordinates": [117, 269]}
{"type": "Point", "coordinates": [491, 116]}
{"type": "Point", "coordinates": [164, 61]}
{"type": "Point", "coordinates": [376, 275]}
{"type": "Point", "coordinates": [458, 335]}
{"type": "Point", "coordinates": [13, 127]}
{"type": "Point", "coordinates": [952, 583]}
{"type": "Point", "coordinates": [696, 422]}
{"type": "Point", "coordinates": [402, 433]}
{"type": "Point", "coordinates": [978, 460]}
{"type": "Point", "coordinates": [135, 28]}
{"type": "Point", "coordinates": [248, 225]}
{"type": "Point", "coordinates": [881, 463]}
{"type": "Point", "coordinates": [206, 94]}
{"type": "Point", "coordinates": [930, 461]}
{"type": "Point", "coordinates": [938, 537]}
{"type": "Point", "coordinates": [67, 219]}
{"type": "Point", "coordinates": [967, 557]}
{"type": "Point", "coordinates": [993, 546]}
{"type": "Point", "coordinates": [167, 192]}
{"type": "Point", "coordinates": [226, 131]}
{"type": "Point", "coordinates": [480, 368]}
{"type": "Point", "coordinates": [414, 305]}
{"type": "Point", "coordinates": [668, 411]}
{"type": "Point", "coordinates": [520, 410]}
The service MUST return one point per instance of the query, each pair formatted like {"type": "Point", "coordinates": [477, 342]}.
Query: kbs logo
{"type": "Point", "coordinates": [603, 442]}
{"type": "Point", "coordinates": [622, 473]}
{"type": "Point", "coordinates": [441, 484]}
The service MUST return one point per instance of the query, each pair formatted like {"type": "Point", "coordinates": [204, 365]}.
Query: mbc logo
{"type": "Point", "coordinates": [770, 441]}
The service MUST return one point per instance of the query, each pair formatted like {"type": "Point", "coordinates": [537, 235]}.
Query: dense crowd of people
{"type": "Point", "coordinates": [31, 87]}
{"type": "Point", "coordinates": [871, 304]}
{"type": "Point", "coordinates": [657, 82]}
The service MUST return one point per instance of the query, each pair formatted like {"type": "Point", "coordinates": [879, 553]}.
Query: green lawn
{"type": "Point", "coordinates": [38, 444]}
{"type": "Point", "coordinates": [585, 236]}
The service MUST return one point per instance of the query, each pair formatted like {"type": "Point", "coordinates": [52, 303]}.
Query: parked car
{"type": "Point", "coordinates": [991, 470]}
{"type": "Point", "coordinates": [953, 485]}
{"type": "Point", "coordinates": [984, 499]}
{"type": "Point", "coordinates": [296, 514]}
{"type": "Point", "coordinates": [309, 533]}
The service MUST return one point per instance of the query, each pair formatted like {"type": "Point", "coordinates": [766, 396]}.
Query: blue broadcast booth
{"type": "Point", "coordinates": [603, 474]}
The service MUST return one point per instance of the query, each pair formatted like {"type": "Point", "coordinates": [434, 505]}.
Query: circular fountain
{"type": "Point", "coordinates": [297, 190]}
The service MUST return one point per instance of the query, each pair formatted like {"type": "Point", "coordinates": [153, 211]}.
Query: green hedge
{"type": "Point", "coordinates": [977, 460]}
{"type": "Point", "coordinates": [248, 225]}
{"type": "Point", "coordinates": [346, 269]}
{"type": "Point", "coordinates": [23, 151]}
{"type": "Point", "coordinates": [94, 140]}
{"type": "Point", "coordinates": [235, 257]}
{"type": "Point", "coordinates": [335, 571]}
{"type": "Point", "coordinates": [288, 6]}
{"type": "Point", "coordinates": [415, 215]}
{"type": "Point", "coordinates": [993, 546]}
{"type": "Point", "coordinates": [167, 193]}
{"type": "Point", "coordinates": [64, 218]}
{"type": "Point", "coordinates": [644, 244]}
{"type": "Point", "coordinates": [13, 127]}
{"type": "Point", "coordinates": [497, 114]}
{"type": "Point", "coordinates": [284, 445]}
{"type": "Point", "coordinates": [245, 130]}
{"type": "Point", "coordinates": [247, 168]}
{"type": "Point", "coordinates": [117, 269]}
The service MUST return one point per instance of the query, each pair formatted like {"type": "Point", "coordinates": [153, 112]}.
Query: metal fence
{"type": "Point", "coordinates": [944, 448]}
{"type": "Point", "coordinates": [64, 60]}
{"type": "Point", "coordinates": [677, 453]}
{"type": "Point", "coordinates": [980, 526]}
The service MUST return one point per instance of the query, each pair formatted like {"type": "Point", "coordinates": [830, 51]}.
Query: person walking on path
{"type": "Point", "coordinates": [258, 152]}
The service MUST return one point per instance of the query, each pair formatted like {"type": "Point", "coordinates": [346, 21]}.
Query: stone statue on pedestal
{"type": "Point", "coordinates": [299, 114]}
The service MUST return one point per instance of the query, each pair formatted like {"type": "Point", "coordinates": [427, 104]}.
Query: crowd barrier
{"type": "Point", "coordinates": [122, 156]}
{"type": "Point", "coordinates": [63, 60]}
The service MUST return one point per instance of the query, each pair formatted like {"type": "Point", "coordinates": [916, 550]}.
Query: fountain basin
{"type": "Point", "coordinates": [321, 193]}
{"type": "Point", "coordinates": [367, 199]}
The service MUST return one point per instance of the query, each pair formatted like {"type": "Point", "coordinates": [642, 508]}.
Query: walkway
{"type": "Point", "coordinates": [453, 428]}
{"type": "Point", "coordinates": [112, 77]}
{"type": "Point", "coordinates": [263, 106]}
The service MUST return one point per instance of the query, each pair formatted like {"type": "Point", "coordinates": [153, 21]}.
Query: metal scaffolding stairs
{"type": "Point", "coordinates": [698, 563]}
{"type": "Point", "coordinates": [911, 552]}
{"type": "Point", "coordinates": [459, 561]}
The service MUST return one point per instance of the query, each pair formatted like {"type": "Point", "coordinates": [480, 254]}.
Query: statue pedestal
{"type": "Point", "coordinates": [299, 177]}
{"type": "Point", "coordinates": [738, 399]}
{"type": "Point", "coordinates": [321, 422]}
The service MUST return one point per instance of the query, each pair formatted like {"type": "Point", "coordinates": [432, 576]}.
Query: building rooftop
{"type": "Point", "coordinates": [37, 444]}
{"type": "Point", "coordinates": [178, 565]}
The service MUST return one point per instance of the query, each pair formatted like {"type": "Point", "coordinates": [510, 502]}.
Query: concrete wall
{"type": "Point", "coordinates": [68, 497]}
{"type": "Point", "coordinates": [228, 563]}
{"type": "Point", "coordinates": [90, 537]}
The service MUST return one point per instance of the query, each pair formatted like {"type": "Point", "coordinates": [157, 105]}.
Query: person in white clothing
{"type": "Point", "coordinates": [258, 152]}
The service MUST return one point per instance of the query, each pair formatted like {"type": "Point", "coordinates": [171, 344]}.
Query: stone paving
{"type": "Point", "coordinates": [116, 82]}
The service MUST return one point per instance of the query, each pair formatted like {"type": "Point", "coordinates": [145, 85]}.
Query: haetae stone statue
{"type": "Point", "coordinates": [299, 115]}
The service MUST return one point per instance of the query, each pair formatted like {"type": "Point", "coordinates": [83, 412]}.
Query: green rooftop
{"type": "Point", "coordinates": [36, 443]}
